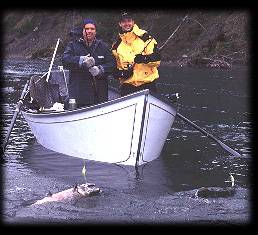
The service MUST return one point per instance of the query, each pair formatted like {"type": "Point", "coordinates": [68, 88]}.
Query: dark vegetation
{"type": "Point", "coordinates": [213, 38]}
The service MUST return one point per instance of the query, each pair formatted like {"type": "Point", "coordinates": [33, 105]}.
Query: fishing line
{"type": "Point", "coordinates": [84, 171]}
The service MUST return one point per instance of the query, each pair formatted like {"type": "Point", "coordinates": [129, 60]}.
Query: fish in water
{"type": "Point", "coordinates": [216, 192]}
{"type": "Point", "coordinates": [83, 190]}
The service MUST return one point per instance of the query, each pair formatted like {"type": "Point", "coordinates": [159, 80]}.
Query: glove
{"type": "Point", "coordinates": [96, 70]}
{"type": "Point", "coordinates": [124, 74]}
{"type": "Point", "coordinates": [87, 61]}
{"type": "Point", "coordinates": [145, 59]}
{"type": "Point", "coordinates": [82, 58]}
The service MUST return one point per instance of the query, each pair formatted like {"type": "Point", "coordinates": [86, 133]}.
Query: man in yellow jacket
{"type": "Point", "coordinates": [137, 57]}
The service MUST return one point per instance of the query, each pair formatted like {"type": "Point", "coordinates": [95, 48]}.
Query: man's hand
{"type": "Point", "coordinates": [145, 59]}
{"type": "Point", "coordinates": [96, 70]}
{"type": "Point", "coordinates": [87, 61]}
{"type": "Point", "coordinates": [124, 74]}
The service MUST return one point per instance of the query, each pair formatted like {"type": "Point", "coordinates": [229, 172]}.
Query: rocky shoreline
{"type": "Point", "coordinates": [206, 39]}
{"type": "Point", "coordinates": [181, 62]}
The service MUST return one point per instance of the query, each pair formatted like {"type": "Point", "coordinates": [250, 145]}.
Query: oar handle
{"type": "Point", "coordinates": [52, 61]}
{"type": "Point", "coordinates": [16, 112]}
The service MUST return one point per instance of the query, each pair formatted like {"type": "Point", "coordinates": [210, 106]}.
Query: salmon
{"type": "Point", "coordinates": [83, 190]}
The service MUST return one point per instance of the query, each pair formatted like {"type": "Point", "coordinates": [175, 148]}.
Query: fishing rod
{"type": "Point", "coordinates": [130, 66]}
{"type": "Point", "coordinates": [166, 42]}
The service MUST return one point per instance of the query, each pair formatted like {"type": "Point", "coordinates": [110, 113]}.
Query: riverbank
{"type": "Point", "coordinates": [215, 39]}
{"type": "Point", "coordinates": [180, 62]}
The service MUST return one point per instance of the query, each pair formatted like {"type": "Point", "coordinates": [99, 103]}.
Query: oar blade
{"type": "Point", "coordinates": [224, 146]}
{"type": "Point", "coordinates": [230, 150]}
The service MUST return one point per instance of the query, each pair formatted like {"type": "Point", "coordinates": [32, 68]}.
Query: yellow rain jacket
{"type": "Point", "coordinates": [129, 45]}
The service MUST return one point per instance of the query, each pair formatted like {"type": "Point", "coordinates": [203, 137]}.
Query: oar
{"type": "Point", "coordinates": [224, 146]}
{"type": "Point", "coordinates": [16, 112]}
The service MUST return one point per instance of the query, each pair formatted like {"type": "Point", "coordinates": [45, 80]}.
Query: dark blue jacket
{"type": "Point", "coordinates": [82, 86]}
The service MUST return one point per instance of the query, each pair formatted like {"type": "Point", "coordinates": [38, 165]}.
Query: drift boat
{"type": "Point", "coordinates": [128, 130]}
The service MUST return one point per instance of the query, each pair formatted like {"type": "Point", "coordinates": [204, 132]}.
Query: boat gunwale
{"type": "Point", "coordinates": [88, 108]}
{"type": "Point", "coordinates": [51, 113]}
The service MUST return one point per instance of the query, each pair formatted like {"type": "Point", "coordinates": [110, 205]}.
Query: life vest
{"type": "Point", "coordinates": [127, 47]}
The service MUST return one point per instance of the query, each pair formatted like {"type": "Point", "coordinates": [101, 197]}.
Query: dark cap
{"type": "Point", "coordinates": [125, 15]}
{"type": "Point", "coordinates": [88, 21]}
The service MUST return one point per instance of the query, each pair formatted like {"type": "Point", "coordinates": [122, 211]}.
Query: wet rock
{"type": "Point", "coordinates": [215, 192]}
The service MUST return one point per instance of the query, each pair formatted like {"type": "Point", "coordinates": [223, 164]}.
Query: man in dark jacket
{"type": "Point", "coordinates": [90, 61]}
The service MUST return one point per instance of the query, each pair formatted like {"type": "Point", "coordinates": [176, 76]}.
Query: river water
{"type": "Point", "coordinates": [161, 192]}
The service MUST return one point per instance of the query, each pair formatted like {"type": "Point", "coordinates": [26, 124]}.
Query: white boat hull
{"type": "Point", "coordinates": [130, 130]}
